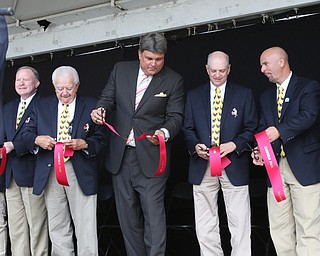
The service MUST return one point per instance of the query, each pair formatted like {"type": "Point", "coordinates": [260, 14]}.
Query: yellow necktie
{"type": "Point", "coordinates": [216, 116]}
{"type": "Point", "coordinates": [280, 103]}
{"type": "Point", "coordinates": [22, 109]}
{"type": "Point", "coordinates": [64, 132]}
{"type": "Point", "coordinates": [280, 100]}
{"type": "Point", "coordinates": [64, 126]}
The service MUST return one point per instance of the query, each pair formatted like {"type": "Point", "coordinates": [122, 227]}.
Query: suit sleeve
{"type": "Point", "coordinates": [305, 113]}
{"type": "Point", "coordinates": [108, 95]}
{"type": "Point", "coordinates": [189, 127]}
{"type": "Point", "coordinates": [95, 141]}
{"type": "Point", "coordinates": [174, 108]}
{"type": "Point", "coordinates": [249, 124]}
{"type": "Point", "coordinates": [3, 51]}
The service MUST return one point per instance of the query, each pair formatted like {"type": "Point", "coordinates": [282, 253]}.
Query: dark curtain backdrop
{"type": "Point", "coordinates": [300, 38]}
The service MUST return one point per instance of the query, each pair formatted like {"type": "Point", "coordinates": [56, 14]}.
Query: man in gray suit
{"type": "Point", "coordinates": [143, 96]}
{"type": "Point", "coordinates": [3, 50]}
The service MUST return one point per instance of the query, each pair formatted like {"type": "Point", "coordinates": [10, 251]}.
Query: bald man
{"type": "Point", "coordinates": [294, 222]}
{"type": "Point", "coordinates": [238, 124]}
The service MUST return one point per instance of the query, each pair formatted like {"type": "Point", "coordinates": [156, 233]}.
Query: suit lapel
{"type": "Point", "coordinates": [132, 83]}
{"type": "Point", "coordinates": [289, 95]}
{"type": "Point", "coordinates": [79, 108]}
{"type": "Point", "coordinates": [205, 98]}
{"type": "Point", "coordinates": [53, 109]}
{"type": "Point", "coordinates": [273, 103]}
{"type": "Point", "coordinates": [228, 98]}
{"type": "Point", "coordinates": [26, 113]}
{"type": "Point", "coordinates": [153, 87]}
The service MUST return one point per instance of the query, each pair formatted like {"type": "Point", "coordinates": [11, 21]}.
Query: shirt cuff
{"type": "Point", "coordinates": [166, 134]}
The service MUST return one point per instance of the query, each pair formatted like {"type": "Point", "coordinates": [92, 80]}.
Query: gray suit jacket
{"type": "Point", "coordinates": [161, 107]}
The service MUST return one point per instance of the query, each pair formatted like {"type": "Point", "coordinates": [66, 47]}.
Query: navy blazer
{"type": "Point", "coordinates": [160, 107]}
{"type": "Point", "coordinates": [3, 51]}
{"type": "Point", "coordinates": [239, 122]}
{"type": "Point", "coordinates": [43, 121]}
{"type": "Point", "coordinates": [299, 126]}
{"type": "Point", "coordinates": [20, 161]}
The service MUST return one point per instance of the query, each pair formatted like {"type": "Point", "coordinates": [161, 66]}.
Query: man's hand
{"type": "Point", "coordinates": [76, 144]}
{"type": "Point", "coordinates": [256, 157]}
{"type": "Point", "coordinates": [202, 151]}
{"type": "Point", "coordinates": [272, 133]}
{"type": "Point", "coordinates": [98, 115]}
{"type": "Point", "coordinates": [9, 146]}
{"type": "Point", "coordinates": [154, 139]}
{"type": "Point", "coordinates": [226, 148]}
{"type": "Point", "coordinates": [45, 142]}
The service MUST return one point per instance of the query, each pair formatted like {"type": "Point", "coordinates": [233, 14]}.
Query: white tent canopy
{"type": "Point", "coordinates": [47, 26]}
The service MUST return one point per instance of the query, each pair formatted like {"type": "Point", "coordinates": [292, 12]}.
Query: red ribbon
{"type": "Point", "coordinates": [216, 162]}
{"type": "Point", "coordinates": [271, 165]}
{"type": "Point", "coordinates": [4, 160]}
{"type": "Point", "coordinates": [162, 145]}
{"type": "Point", "coordinates": [61, 151]}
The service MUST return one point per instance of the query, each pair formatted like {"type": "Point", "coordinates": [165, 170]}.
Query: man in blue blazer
{"type": "Point", "coordinates": [294, 222]}
{"type": "Point", "coordinates": [76, 202]}
{"type": "Point", "coordinates": [139, 194]}
{"type": "Point", "coordinates": [27, 214]}
{"type": "Point", "coordinates": [3, 51]}
{"type": "Point", "coordinates": [237, 127]}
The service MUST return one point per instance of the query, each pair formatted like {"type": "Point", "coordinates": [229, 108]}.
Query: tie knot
{"type": "Point", "coordinates": [144, 77]}
{"type": "Point", "coordinates": [280, 89]}
{"type": "Point", "coordinates": [23, 104]}
{"type": "Point", "coordinates": [218, 90]}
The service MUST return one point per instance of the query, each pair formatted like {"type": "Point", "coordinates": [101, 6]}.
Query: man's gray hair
{"type": "Point", "coordinates": [153, 42]}
{"type": "Point", "coordinates": [65, 70]}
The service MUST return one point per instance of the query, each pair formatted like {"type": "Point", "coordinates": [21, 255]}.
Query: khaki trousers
{"type": "Point", "coordinates": [3, 226]}
{"type": "Point", "coordinates": [27, 218]}
{"type": "Point", "coordinates": [237, 202]}
{"type": "Point", "coordinates": [295, 222]}
{"type": "Point", "coordinates": [67, 205]}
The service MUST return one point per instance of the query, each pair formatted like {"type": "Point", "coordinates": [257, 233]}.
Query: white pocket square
{"type": "Point", "coordinates": [161, 94]}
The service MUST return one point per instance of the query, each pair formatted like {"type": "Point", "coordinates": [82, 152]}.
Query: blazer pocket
{"type": "Point", "coordinates": [311, 147]}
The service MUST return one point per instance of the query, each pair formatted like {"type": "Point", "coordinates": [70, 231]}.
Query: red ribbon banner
{"type": "Point", "coordinates": [271, 165]}
{"type": "Point", "coordinates": [61, 151]}
{"type": "Point", "coordinates": [216, 162]}
{"type": "Point", "coordinates": [4, 160]}
{"type": "Point", "coordinates": [162, 145]}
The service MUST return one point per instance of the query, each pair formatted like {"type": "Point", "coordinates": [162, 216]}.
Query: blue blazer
{"type": "Point", "coordinates": [43, 121]}
{"type": "Point", "coordinates": [299, 126]}
{"type": "Point", "coordinates": [3, 50]}
{"type": "Point", "coordinates": [238, 127]}
{"type": "Point", "coordinates": [20, 161]}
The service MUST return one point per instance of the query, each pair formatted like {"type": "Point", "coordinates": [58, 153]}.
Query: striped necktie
{"type": "Point", "coordinates": [22, 109]}
{"type": "Point", "coordinates": [141, 88]}
{"type": "Point", "coordinates": [279, 105]}
{"type": "Point", "coordinates": [216, 116]}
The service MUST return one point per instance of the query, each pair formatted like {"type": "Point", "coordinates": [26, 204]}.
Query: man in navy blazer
{"type": "Point", "coordinates": [237, 127]}
{"type": "Point", "coordinates": [139, 194]}
{"type": "Point", "coordinates": [76, 202]}
{"type": "Point", "coordinates": [3, 51]}
{"type": "Point", "coordinates": [294, 222]}
{"type": "Point", "coordinates": [27, 214]}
